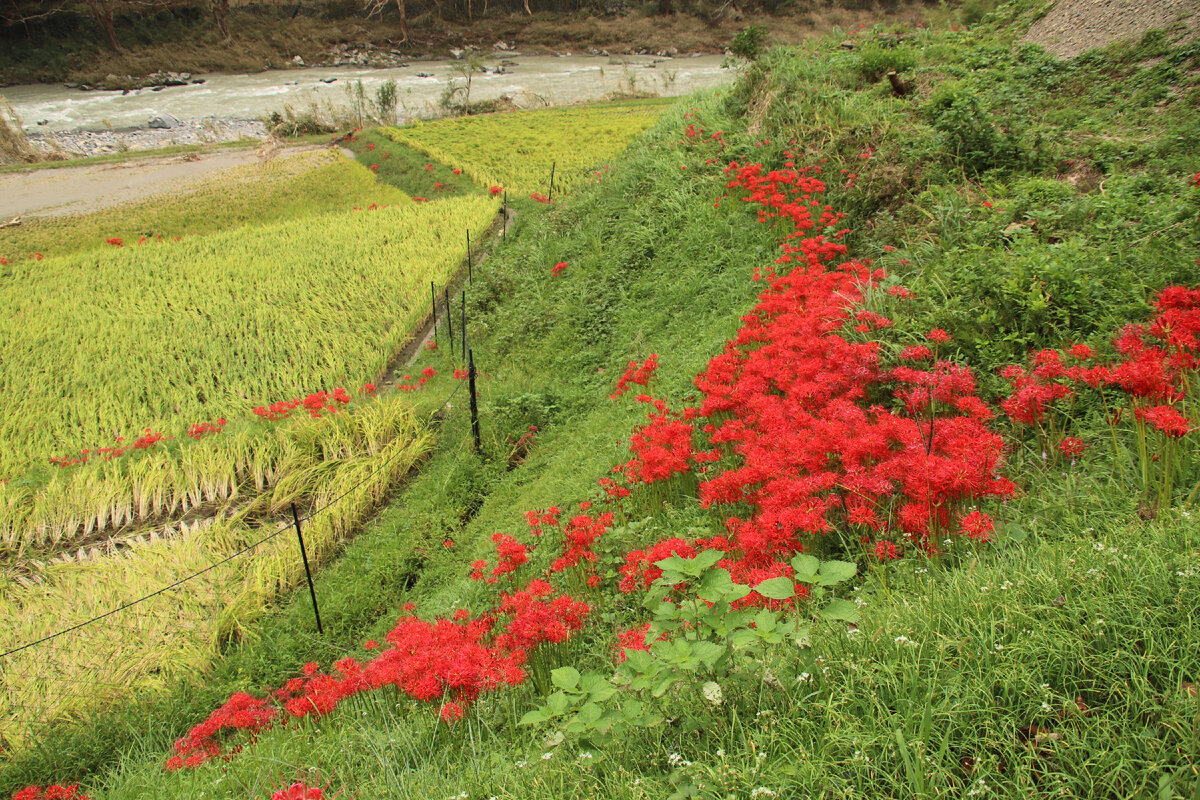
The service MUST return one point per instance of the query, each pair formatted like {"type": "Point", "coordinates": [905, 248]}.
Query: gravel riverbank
{"type": "Point", "coordinates": [98, 143]}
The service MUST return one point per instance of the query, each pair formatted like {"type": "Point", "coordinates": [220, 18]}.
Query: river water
{"type": "Point", "coordinates": [531, 81]}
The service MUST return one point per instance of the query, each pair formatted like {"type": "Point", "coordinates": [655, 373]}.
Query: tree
{"type": "Point", "coordinates": [376, 7]}
{"type": "Point", "coordinates": [102, 12]}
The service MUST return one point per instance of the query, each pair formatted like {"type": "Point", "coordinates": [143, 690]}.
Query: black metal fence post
{"type": "Point", "coordinates": [312, 592]}
{"type": "Point", "coordinates": [474, 400]}
{"type": "Point", "coordinates": [550, 197]}
{"type": "Point", "coordinates": [470, 272]}
{"type": "Point", "coordinates": [433, 307]}
{"type": "Point", "coordinates": [449, 323]}
{"type": "Point", "coordinates": [463, 321]}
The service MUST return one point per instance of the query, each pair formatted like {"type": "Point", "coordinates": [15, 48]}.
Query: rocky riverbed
{"type": "Point", "coordinates": [212, 130]}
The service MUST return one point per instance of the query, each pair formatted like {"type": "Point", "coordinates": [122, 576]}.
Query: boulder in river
{"type": "Point", "coordinates": [165, 121]}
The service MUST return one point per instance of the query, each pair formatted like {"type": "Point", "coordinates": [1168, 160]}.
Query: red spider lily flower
{"type": "Point", "coordinates": [495, 190]}
{"type": "Point", "coordinates": [370, 147]}
{"type": "Point", "coordinates": [1196, 179]}
{"type": "Point", "coordinates": [448, 543]}
{"type": "Point", "coordinates": [428, 372]}
{"type": "Point", "coordinates": [370, 644]}
{"type": "Point", "coordinates": [115, 242]}
{"type": "Point", "coordinates": [541, 198]}
{"type": "Point", "coordinates": [299, 791]}
{"type": "Point", "coordinates": [428, 167]}
{"type": "Point", "coordinates": [1080, 351]}
{"type": "Point", "coordinates": [938, 336]}
{"type": "Point", "coordinates": [367, 388]}
{"type": "Point", "coordinates": [886, 551]}
{"type": "Point", "coordinates": [451, 712]}
{"type": "Point", "coordinates": [978, 526]}
{"type": "Point", "coordinates": [1071, 447]}
{"type": "Point", "coordinates": [52, 792]}
{"type": "Point", "coordinates": [1166, 419]}
{"type": "Point", "coordinates": [420, 199]}
{"type": "Point", "coordinates": [456, 171]}
{"type": "Point", "coordinates": [374, 168]}
{"type": "Point", "coordinates": [558, 268]}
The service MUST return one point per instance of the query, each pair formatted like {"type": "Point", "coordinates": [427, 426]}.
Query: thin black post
{"type": "Point", "coordinates": [433, 306]}
{"type": "Point", "coordinates": [449, 322]}
{"type": "Point", "coordinates": [550, 196]}
{"type": "Point", "coordinates": [474, 399]}
{"type": "Point", "coordinates": [464, 321]}
{"type": "Point", "coordinates": [312, 592]}
{"type": "Point", "coordinates": [470, 274]}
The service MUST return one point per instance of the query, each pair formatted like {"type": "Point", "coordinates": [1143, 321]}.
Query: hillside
{"type": "Point", "coordinates": [837, 441]}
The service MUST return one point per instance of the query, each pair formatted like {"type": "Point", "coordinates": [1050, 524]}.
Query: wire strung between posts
{"type": "Point", "coordinates": [211, 567]}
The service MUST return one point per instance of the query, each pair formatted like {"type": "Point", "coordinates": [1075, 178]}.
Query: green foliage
{"type": "Point", "coordinates": [875, 59]}
{"type": "Point", "coordinates": [748, 43]}
{"type": "Point", "coordinates": [701, 644]}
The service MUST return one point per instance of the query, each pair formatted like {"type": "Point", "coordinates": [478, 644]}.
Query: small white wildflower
{"type": "Point", "coordinates": [760, 756]}
{"type": "Point", "coordinates": [1046, 707]}
{"type": "Point", "coordinates": [547, 755]}
{"type": "Point", "coordinates": [900, 639]}
{"type": "Point", "coordinates": [1045, 687]}
{"type": "Point", "coordinates": [720, 752]}
{"type": "Point", "coordinates": [585, 756]}
{"type": "Point", "coordinates": [1099, 547]}
{"type": "Point", "coordinates": [999, 647]}
{"type": "Point", "coordinates": [522, 763]}
{"type": "Point", "coordinates": [762, 791]}
{"type": "Point", "coordinates": [804, 677]}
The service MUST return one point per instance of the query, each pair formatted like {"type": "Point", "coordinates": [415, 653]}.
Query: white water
{"type": "Point", "coordinates": [533, 81]}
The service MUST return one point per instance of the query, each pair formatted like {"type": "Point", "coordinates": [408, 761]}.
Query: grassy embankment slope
{"type": "Point", "coordinates": [358, 258]}
{"type": "Point", "coordinates": [1027, 203]}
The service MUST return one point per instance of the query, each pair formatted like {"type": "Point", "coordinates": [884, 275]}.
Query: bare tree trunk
{"type": "Point", "coordinates": [220, 9]}
{"type": "Point", "coordinates": [103, 14]}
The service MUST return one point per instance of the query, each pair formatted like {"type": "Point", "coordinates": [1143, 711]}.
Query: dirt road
{"type": "Point", "coordinates": [72, 190]}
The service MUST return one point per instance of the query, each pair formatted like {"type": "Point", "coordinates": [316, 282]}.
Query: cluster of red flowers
{"type": "Point", "coordinates": [426, 374]}
{"type": "Point", "coordinates": [1159, 362]}
{"type": "Point", "coordinates": [495, 190]}
{"type": "Point", "coordinates": [447, 660]}
{"type": "Point", "coordinates": [316, 404]}
{"type": "Point", "coordinates": [541, 198]}
{"type": "Point", "coordinates": [148, 439]}
{"type": "Point", "coordinates": [510, 555]}
{"type": "Point", "coordinates": [54, 792]}
{"type": "Point", "coordinates": [558, 269]}
{"type": "Point", "coordinates": [636, 373]}
{"type": "Point", "coordinates": [300, 791]}
{"type": "Point", "coordinates": [202, 429]}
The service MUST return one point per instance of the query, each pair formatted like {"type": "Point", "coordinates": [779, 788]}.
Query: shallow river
{"type": "Point", "coordinates": [530, 82]}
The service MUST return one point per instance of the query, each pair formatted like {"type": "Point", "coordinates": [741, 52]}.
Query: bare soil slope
{"type": "Point", "coordinates": [1073, 26]}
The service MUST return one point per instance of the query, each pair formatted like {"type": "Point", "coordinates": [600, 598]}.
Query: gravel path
{"type": "Point", "coordinates": [1074, 26]}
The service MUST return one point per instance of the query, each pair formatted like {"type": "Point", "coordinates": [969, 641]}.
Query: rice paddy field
{"type": "Point", "coordinates": [517, 150]}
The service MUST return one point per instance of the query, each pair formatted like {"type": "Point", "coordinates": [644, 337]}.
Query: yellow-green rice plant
{"type": "Point", "coordinates": [174, 333]}
{"type": "Point", "coordinates": [139, 648]}
{"type": "Point", "coordinates": [516, 150]}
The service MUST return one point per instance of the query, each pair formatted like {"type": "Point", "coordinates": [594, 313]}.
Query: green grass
{"type": "Point", "coordinates": [1061, 663]}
